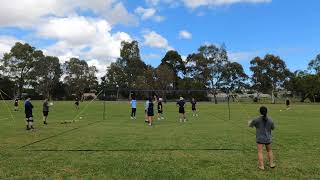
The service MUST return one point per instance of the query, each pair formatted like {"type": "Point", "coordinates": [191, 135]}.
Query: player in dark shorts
{"type": "Point", "coordinates": [28, 112]}
{"type": "Point", "coordinates": [182, 112]}
{"type": "Point", "coordinates": [194, 109]}
{"type": "Point", "coordinates": [160, 109]}
{"type": "Point", "coordinates": [133, 108]}
{"type": "Point", "coordinates": [77, 103]}
{"type": "Point", "coordinates": [45, 110]}
{"type": "Point", "coordinates": [288, 103]}
{"type": "Point", "coordinates": [16, 104]}
{"type": "Point", "coordinates": [150, 111]}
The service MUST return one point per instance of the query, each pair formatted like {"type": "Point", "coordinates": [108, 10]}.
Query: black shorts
{"type": "Point", "coordinates": [45, 113]}
{"type": "Point", "coordinates": [76, 103]}
{"type": "Point", "coordinates": [16, 104]}
{"type": "Point", "coordinates": [263, 143]}
{"type": "Point", "coordinates": [29, 115]}
{"type": "Point", "coordinates": [160, 111]}
{"type": "Point", "coordinates": [194, 109]}
{"type": "Point", "coordinates": [181, 110]}
{"type": "Point", "coordinates": [150, 113]}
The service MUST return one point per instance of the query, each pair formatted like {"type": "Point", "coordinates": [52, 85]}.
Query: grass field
{"type": "Point", "coordinates": [208, 147]}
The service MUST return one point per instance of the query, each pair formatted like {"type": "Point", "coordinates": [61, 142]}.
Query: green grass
{"type": "Point", "coordinates": [207, 147]}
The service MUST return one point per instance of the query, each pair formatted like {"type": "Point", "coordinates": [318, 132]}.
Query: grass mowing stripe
{"type": "Point", "coordinates": [59, 134]}
{"type": "Point", "coordinates": [132, 150]}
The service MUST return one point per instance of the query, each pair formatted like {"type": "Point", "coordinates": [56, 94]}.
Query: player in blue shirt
{"type": "Point", "coordinates": [133, 108]}
{"type": "Point", "coordinates": [28, 112]}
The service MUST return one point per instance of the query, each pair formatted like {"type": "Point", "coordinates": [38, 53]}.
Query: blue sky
{"type": "Point", "coordinates": [93, 30]}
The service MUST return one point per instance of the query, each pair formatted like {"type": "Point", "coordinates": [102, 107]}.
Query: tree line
{"type": "Point", "coordinates": [26, 69]}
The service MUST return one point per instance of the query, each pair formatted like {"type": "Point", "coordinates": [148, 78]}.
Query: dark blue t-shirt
{"type": "Point", "coordinates": [28, 107]}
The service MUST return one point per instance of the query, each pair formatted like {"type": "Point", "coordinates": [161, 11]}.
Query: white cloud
{"type": "Point", "coordinates": [6, 43]}
{"type": "Point", "coordinates": [148, 13]}
{"type": "Point", "coordinates": [74, 35]}
{"type": "Point", "coordinates": [152, 2]}
{"type": "Point", "coordinates": [155, 40]}
{"type": "Point", "coordinates": [167, 3]}
{"type": "Point", "coordinates": [100, 65]}
{"type": "Point", "coordinates": [28, 13]}
{"type": "Point", "coordinates": [185, 34]}
{"type": "Point", "coordinates": [197, 3]}
{"type": "Point", "coordinates": [84, 38]}
{"type": "Point", "coordinates": [242, 56]}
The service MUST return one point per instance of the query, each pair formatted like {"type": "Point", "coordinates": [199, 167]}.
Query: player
{"type": "Point", "coordinates": [264, 125]}
{"type": "Point", "coordinates": [288, 103]}
{"type": "Point", "coordinates": [77, 104]}
{"type": "Point", "coordinates": [182, 112]}
{"type": "Point", "coordinates": [146, 105]}
{"type": "Point", "coordinates": [16, 104]}
{"type": "Point", "coordinates": [45, 110]}
{"type": "Point", "coordinates": [133, 108]}
{"type": "Point", "coordinates": [28, 112]}
{"type": "Point", "coordinates": [160, 109]}
{"type": "Point", "coordinates": [194, 109]}
{"type": "Point", "coordinates": [150, 111]}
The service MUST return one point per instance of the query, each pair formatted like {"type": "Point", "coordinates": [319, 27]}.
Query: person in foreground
{"type": "Point", "coordinates": [264, 125]}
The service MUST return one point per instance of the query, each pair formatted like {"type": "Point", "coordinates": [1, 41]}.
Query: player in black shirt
{"type": "Point", "coordinates": [194, 109]}
{"type": "Point", "coordinates": [45, 111]}
{"type": "Point", "coordinates": [77, 104]}
{"type": "Point", "coordinates": [288, 103]}
{"type": "Point", "coordinates": [160, 109]}
{"type": "Point", "coordinates": [150, 111]}
{"type": "Point", "coordinates": [16, 104]}
{"type": "Point", "coordinates": [182, 112]}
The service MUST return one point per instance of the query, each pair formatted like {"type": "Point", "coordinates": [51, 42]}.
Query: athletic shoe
{"type": "Point", "coordinates": [159, 119]}
{"type": "Point", "coordinates": [162, 117]}
{"type": "Point", "coordinates": [261, 168]}
{"type": "Point", "coordinates": [181, 120]}
{"type": "Point", "coordinates": [131, 117]}
{"type": "Point", "coordinates": [272, 166]}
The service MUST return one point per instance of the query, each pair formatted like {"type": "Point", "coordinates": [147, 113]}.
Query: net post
{"type": "Point", "coordinates": [104, 98]}
{"type": "Point", "coordinates": [228, 94]}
